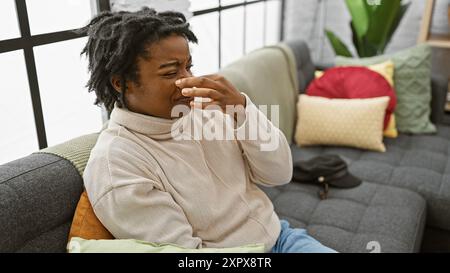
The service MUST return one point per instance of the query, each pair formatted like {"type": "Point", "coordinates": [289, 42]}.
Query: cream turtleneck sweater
{"type": "Point", "coordinates": [145, 184]}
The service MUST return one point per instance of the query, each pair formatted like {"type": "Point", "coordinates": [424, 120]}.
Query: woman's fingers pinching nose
{"type": "Point", "coordinates": [178, 82]}
{"type": "Point", "coordinates": [187, 91]}
{"type": "Point", "coordinates": [183, 82]}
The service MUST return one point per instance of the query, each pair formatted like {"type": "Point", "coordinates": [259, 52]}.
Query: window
{"type": "Point", "coordinates": [52, 15]}
{"type": "Point", "coordinates": [9, 28]}
{"type": "Point", "coordinates": [254, 32]}
{"type": "Point", "coordinates": [197, 5]}
{"type": "Point", "coordinates": [273, 22]}
{"type": "Point", "coordinates": [37, 42]}
{"type": "Point", "coordinates": [18, 136]}
{"type": "Point", "coordinates": [67, 105]}
{"type": "Point", "coordinates": [230, 2]}
{"type": "Point", "coordinates": [232, 28]}
{"type": "Point", "coordinates": [204, 54]}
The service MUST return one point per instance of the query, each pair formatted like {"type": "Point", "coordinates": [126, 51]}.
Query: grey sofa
{"type": "Point", "coordinates": [403, 204]}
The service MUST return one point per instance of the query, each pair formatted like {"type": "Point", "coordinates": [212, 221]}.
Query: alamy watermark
{"type": "Point", "coordinates": [235, 123]}
{"type": "Point", "coordinates": [374, 2]}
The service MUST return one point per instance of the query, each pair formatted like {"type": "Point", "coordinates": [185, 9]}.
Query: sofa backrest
{"type": "Point", "coordinates": [303, 63]}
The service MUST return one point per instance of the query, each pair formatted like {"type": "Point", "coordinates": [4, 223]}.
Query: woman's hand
{"type": "Point", "coordinates": [215, 87]}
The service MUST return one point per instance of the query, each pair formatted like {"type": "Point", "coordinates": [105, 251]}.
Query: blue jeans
{"type": "Point", "coordinates": [296, 240]}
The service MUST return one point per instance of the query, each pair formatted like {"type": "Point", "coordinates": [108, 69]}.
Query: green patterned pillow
{"type": "Point", "coordinates": [412, 81]}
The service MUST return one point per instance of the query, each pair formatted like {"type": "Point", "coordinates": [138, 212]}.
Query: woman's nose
{"type": "Point", "coordinates": [185, 74]}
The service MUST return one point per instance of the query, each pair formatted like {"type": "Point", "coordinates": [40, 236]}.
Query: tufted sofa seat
{"type": "Point", "coordinates": [352, 220]}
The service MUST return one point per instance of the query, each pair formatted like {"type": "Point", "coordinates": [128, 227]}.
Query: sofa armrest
{"type": "Point", "coordinates": [38, 197]}
{"type": "Point", "coordinates": [438, 99]}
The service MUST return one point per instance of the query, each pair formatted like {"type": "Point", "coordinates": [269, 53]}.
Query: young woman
{"type": "Point", "coordinates": [146, 184]}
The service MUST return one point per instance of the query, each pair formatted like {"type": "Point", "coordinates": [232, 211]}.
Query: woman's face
{"type": "Point", "coordinates": [156, 94]}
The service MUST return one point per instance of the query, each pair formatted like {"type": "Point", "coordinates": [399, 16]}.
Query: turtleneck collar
{"type": "Point", "coordinates": [154, 127]}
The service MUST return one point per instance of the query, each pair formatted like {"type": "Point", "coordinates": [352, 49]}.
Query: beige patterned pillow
{"type": "Point", "coordinates": [342, 122]}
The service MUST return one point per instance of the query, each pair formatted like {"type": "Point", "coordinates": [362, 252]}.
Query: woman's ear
{"type": "Point", "coordinates": [116, 83]}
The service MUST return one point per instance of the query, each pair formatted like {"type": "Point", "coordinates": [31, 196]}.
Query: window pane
{"type": "Point", "coordinates": [159, 5]}
{"type": "Point", "coordinates": [232, 34]}
{"type": "Point", "coordinates": [18, 136]}
{"type": "Point", "coordinates": [205, 55]}
{"type": "Point", "coordinates": [57, 15]}
{"type": "Point", "coordinates": [273, 20]}
{"type": "Point", "coordinates": [254, 33]}
{"type": "Point", "coordinates": [203, 4]}
{"type": "Point", "coordinates": [9, 27]}
{"type": "Point", "coordinates": [68, 107]}
{"type": "Point", "coordinates": [231, 2]}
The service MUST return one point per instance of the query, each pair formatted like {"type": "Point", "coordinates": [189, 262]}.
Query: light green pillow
{"type": "Point", "coordinates": [80, 245]}
{"type": "Point", "coordinates": [412, 82]}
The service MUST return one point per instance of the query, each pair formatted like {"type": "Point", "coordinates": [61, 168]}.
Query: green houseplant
{"type": "Point", "coordinates": [373, 23]}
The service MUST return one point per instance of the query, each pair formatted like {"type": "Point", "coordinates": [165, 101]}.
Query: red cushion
{"type": "Point", "coordinates": [353, 83]}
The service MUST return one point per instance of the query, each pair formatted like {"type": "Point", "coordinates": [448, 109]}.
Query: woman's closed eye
{"type": "Point", "coordinates": [173, 74]}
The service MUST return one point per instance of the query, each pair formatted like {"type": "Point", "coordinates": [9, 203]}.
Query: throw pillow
{"type": "Point", "coordinates": [347, 122]}
{"type": "Point", "coordinates": [412, 83]}
{"type": "Point", "coordinates": [385, 69]}
{"type": "Point", "coordinates": [85, 223]}
{"type": "Point", "coordinates": [79, 245]}
{"type": "Point", "coordinates": [353, 82]}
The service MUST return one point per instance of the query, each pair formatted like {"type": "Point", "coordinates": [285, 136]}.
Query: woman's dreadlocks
{"type": "Point", "coordinates": [117, 39]}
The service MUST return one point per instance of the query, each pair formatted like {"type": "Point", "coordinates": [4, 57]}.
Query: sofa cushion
{"type": "Point", "coordinates": [354, 83]}
{"type": "Point", "coordinates": [412, 82]}
{"type": "Point", "coordinates": [386, 70]}
{"type": "Point", "coordinates": [346, 122]}
{"type": "Point", "coordinates": [80, 245]}
{"type": "Point", "coordinates": [350, 220]}
{"type": "Point", "coordinates": [85, 223]}
{"type": "Point", "coordinates": [416, 162]}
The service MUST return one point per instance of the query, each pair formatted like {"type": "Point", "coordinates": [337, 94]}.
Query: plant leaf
{"type": "Point", "coordinates": [359, 10]}
{"type": "Point", "coordinates": [381, 22]}
{"type": "Point", "coordinates": [339, 47]}
{"type": "Point", "coordinates": [359, 46]}
{"type": "Point", "coordinates": [363, 48]}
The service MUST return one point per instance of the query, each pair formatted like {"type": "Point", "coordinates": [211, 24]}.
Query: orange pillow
{"type": "Point", "coordinates": [85, 223]}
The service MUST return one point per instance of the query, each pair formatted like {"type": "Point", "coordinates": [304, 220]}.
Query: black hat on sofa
{"type": "Point", "coordinates": [325, 169]}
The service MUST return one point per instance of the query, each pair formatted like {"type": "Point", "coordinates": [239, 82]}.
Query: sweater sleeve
{"type": "Point", "coordinates": [137, 206]}
{"type": "Point", "coordinates": [264, 148]}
